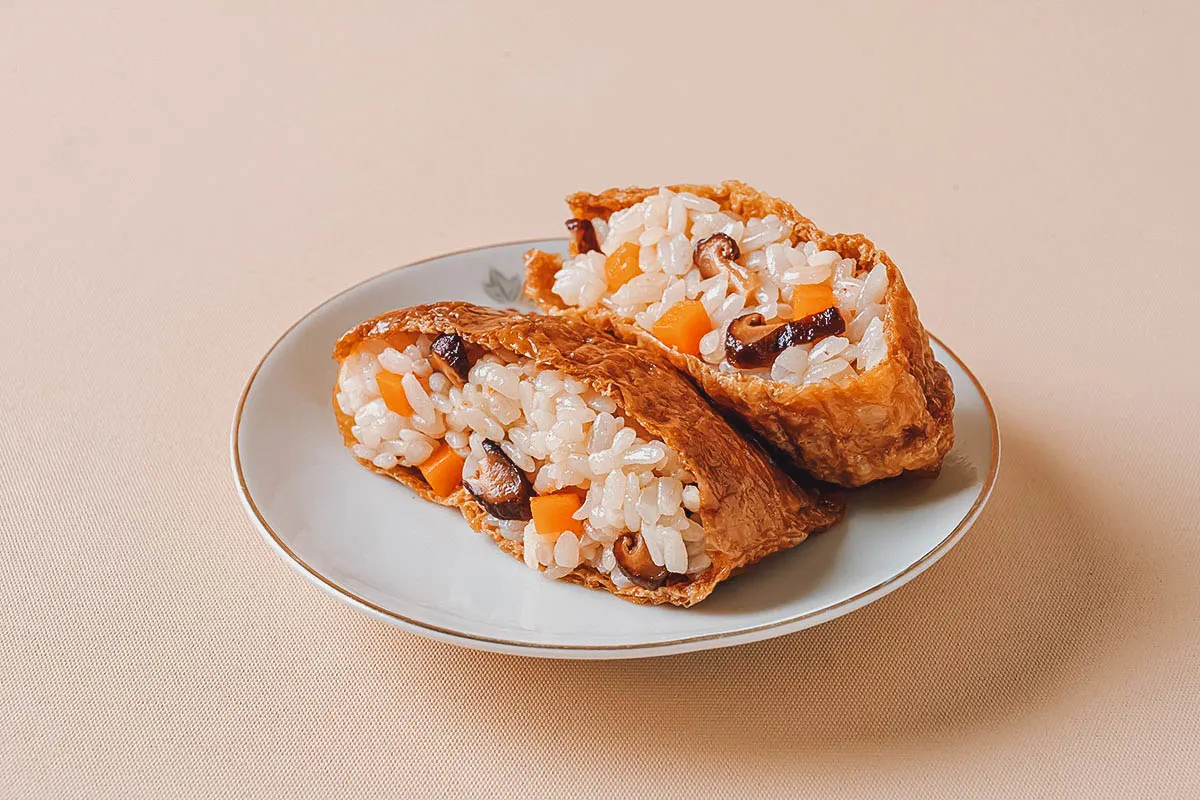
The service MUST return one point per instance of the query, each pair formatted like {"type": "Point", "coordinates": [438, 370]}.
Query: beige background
{"type": "Point", "coordinates": [181, 183]}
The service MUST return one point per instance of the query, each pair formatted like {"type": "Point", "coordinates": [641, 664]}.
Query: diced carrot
{"type": "Point", "coordinates": [392, 392]}
{"type": "Point", "coordinates": [683, 325]}
{"type": "Point", "coordinates": [443, 470]}
{"type": "Point", "coordinates": [808, 299]}
{"type": "Point", "coordinates": [552, 513]}
{"type": "Point", "coordinates": [401, 339]}
{"type": "Point", "coordinates": [622, 266]}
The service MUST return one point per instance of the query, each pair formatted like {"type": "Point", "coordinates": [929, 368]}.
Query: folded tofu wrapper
{"type": "Point", "coordinates": [749, 508]}
{"type": "Point", "coordinates": [897, 417]}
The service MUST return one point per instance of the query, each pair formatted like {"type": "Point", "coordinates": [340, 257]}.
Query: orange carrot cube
{"type": "Point", "coordinates": [443, 470]}
{"type": "Point", "coordinates": [622, 266]}
{"type": "Point", "coordinates": [808, 299]}
{"type": "Point", "coordinates": [683, 325]}
{"type": "Point", "coordinates": [552, 513]}
{"type": "Point", "coordinates": [401, 339]}
{"type": "Point", "coordinates": [392, 392]}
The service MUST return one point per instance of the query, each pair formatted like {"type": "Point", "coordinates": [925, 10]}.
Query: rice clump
{"type": "Point", "coordinates": [557, 430]}
{"type": "Point", "coordinates": [667, 227]}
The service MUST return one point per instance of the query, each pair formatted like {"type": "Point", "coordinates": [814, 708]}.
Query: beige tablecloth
{"type": "Point", "coordinates": [182, 181]}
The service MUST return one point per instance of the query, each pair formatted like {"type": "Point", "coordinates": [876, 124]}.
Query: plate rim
{"type": "Point", "coordinates": [752, 633]}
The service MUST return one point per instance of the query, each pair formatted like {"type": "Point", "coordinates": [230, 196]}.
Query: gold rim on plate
{"type": "Point", "coordinates": [345, 594]}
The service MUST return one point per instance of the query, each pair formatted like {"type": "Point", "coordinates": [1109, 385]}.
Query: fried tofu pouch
{"type": "Point", "coordinates": [748, 507]}
{"type": "Point", "coordinates": [895, 418]}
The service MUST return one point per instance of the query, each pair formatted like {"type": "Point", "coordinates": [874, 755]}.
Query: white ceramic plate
{"type": "Point", "coordinates": [374, 545]}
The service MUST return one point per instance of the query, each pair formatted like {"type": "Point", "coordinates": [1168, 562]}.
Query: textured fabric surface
{"type": "Point", "coordinates": [183, 181]}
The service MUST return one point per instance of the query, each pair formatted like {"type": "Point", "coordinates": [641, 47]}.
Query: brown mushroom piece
{"type": "Point", "coordinates": [500, 486]}
{"type": "Point", "coordinates": [750, 342]}
{"type": "Point", "coordinates": [720, 252]}
{"type": "Point", "coordinates": [449, 356]}
{"type": "Point", "coordinates": [583, 235]}
{"type": "Point", "coordinates": [633, 556]}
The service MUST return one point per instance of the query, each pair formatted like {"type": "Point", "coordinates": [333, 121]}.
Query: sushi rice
{"type": "Point", "coordinates": [561, 433]}
{"type": "Point", "coordinates": [668, 226]}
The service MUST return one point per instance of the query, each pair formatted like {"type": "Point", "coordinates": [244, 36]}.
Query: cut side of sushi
{"type": "Point", "coordinates": [812, 339]}
{"type": "Point", "coordinates": [574, 452]}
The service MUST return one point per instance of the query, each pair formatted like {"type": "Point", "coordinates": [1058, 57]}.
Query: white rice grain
{"type": "Point", "coordinates": [675, 557]}
{"type": "Point", "coordinates": [828, 347]}
{"type": "Point", "coordinates": [826, 370]}
{"type": "Point", "coordinates": [566, 551]}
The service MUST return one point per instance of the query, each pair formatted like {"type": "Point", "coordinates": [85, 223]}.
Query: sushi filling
{"type": "Point", "coordinates": [553, 462]}
{"type": "Point", "coordinates": [734, 292]}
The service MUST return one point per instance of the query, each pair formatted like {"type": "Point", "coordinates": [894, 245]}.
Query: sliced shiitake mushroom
{"type": "Point", "coordinates": [720, 252]}
{"type": "Point", "coordinates": [634, 558]}
{"type": "Point", "coordinates": [449, 356]}
{"type": "Point", "coordinates": [500, 486]}
{"type": "Point", "coordinates": [750, 342]}
{"type": "Point", "coordinates": [713, 253]}
{"type": "Point", "coordinates": [583, 235]}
